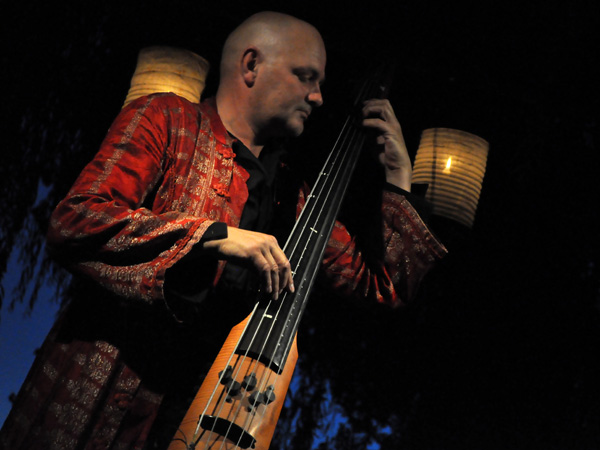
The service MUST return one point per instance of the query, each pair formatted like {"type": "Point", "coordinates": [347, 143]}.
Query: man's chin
{"type": "Point", "coordinates": [290, 128]}
{"type": "Point", "coordinates": [296, 128]}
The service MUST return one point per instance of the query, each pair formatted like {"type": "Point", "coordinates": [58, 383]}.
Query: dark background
{"type": "Point", "coordinates": [501, 351]}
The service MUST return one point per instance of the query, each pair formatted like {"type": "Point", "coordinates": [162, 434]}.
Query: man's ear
{"type": "Point", "coordinates": [250, 66]}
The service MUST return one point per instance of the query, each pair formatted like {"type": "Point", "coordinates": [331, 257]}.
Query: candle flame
{"type": "Point", "coordinates": [448, 164]}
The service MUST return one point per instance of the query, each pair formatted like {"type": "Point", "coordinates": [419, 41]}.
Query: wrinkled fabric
{"type": "Point", "coordinates": [409, 251]}
{"type": "Point", "coordinates": [121, 358]}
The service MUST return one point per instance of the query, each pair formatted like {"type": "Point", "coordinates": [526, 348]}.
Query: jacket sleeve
{"type": "Point", "coordinates": [104, 230]}
{"type": "Point", "coordinates": [409, 250]}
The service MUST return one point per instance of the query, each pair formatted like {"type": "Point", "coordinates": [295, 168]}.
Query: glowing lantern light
{"type": "Point", "coordinates": [448, 165]}
{"type": "Point", "coordinates": [453, 163]}
{"type": "Point", "coordinates": [168, 69]}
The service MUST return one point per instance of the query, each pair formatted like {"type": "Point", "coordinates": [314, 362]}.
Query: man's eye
{"type": "Point", "coordinates": [303, 76]}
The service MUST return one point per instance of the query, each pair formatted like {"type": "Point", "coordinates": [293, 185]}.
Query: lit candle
{"type": "Point", "coordinates": [448, 164]}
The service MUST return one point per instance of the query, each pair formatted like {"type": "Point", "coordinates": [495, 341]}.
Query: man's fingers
{"type": "Point", "coordinates": [285, 275]}
{"type": "Point", "coordinates": [290, 283]}
{"type": "Point", "coordinates": [280, 271]}
{"type": "Point", "coordinates": [262, 252]}
{"type": "Point", "coordinates": [380, 115]}
{"type": "Point", "coordinates": [273, 275]}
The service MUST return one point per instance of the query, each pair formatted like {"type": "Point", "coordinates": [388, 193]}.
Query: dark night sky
{"type": "Point", "coordinates": [518, 311]}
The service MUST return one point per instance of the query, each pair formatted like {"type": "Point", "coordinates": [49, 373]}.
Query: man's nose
{"type": "Point", "coordinates": [315, 97]}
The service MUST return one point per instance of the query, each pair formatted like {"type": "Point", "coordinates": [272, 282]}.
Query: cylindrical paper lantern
{"type": "Point", "coordinates": [168, 69]}
{"type": "Point", "coordinates": [453, 163]}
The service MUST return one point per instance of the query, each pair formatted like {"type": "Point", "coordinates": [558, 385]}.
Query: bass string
{"type": "Point", "coordinates": [265, 377]}
{"type": "Point", "coordinates": [221, 404]}
{"type": "Point", "coordinates": [350, 152]}
{"type": "Point", "coordinates": [305, 210]}
{"type": "Point", "coordinates": [363, 94]}
{"type": "Point", "coordinates": [250, 370]}
{"type": "Point", "coordinates": [320, 187]}
{"type": "Point", "coordinates": [349, 133]}
{"type": "Point", "coordinates": [297, 317]}
{"type": "Point", "coordinates": [215, 389]}
{"type": "Point", "coordinates": [311, 211]}
{"type": "Point", "coordinates": [341, 168]}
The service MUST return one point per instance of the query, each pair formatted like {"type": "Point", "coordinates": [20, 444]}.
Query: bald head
{"type": "Point", "coordinates": [271, 34]}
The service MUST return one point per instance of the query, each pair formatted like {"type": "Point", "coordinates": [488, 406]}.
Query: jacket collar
{"type": "Point", "coordinates": [209, 107]}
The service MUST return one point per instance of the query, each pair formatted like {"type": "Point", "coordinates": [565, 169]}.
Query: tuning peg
{"type": "Point", "coordinates": [225, 375]}
{"type": "Point", "coordinates": [269, 395]}
{"type": "Point", "coordinates": [249, 382]}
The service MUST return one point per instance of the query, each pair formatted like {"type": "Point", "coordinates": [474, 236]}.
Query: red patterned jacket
{"type": "Point", "coordinates": [163, 175]}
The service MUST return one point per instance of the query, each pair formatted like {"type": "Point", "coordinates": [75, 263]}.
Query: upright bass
{"type": "Point", "coordinates": [239, 402]}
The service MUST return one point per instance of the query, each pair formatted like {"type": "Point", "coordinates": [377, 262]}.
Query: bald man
{"type": "Point", "coordinates": [271, 71]}
{"type": "Point", "coordinates": [167, 233]}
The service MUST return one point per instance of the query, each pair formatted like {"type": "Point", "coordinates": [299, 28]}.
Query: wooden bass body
{"type": "Point", "coordinates": [239, 402]}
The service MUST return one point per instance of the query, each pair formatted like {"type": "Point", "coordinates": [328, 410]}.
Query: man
{"type": "Point", "coordinates": [175, 192]}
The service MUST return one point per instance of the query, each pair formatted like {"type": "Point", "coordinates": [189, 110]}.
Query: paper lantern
{"type": "Point", "coordinates": [452, 163]}
{"type": "Point", "coordinates": [168, 69]}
